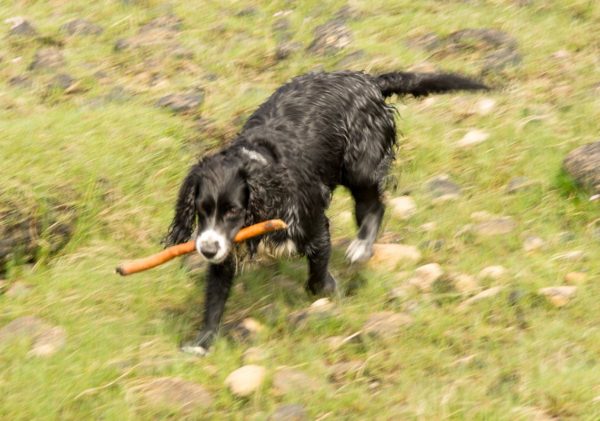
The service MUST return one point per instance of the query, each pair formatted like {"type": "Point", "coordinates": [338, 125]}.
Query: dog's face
{"type": "Point", "coordinates": [215, 196]}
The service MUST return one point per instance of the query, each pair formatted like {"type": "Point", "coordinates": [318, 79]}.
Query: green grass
{"type": "Point", "coordinates": [123, 162]}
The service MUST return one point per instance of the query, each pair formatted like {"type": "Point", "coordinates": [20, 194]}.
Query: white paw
{"type": "Point", "coordinates": [359, 251]}
{"type": "Point", "coordinates": [198, 351]}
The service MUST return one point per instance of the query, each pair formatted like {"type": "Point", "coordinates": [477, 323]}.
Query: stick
{"type": "Point", "coordinates": [170, 253]}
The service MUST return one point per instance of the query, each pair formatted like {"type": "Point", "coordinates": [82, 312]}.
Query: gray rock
{"type": "Point", "coordinates": [289, 412]}
{"type": "Point", "coordinates": [583, 164]}
{"type": "Point", "coordinates": [21, 27]}
{"type": "Point", "coordinates": [386, 324]}
{"type": "Point", "coordinates": [182, 103]}
{"type": "Point", "coordinates": [172, 392]}
{"type": "Point", "coordinates": [330, 38]}
{"type": "Point", "coordinates": [289, 382]}
{"type": "Point", "coordinates": [245, 380]}
{"type": "Point", "coordinates": [247, 330]}
{"type": "Point", "coordinates": [286, 49]}
{"type": "Point", "coordinates": [442, 188]}
{"type": "Point", "coordinates": [47, 58]}
{"type": "Point", "coordinates": [81, 27]}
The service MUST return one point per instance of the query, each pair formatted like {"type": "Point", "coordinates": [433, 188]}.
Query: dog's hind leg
{"type": "Point", "coordinates": [318, 251]}
{"type": "Point", "coordinates": [369, 211]}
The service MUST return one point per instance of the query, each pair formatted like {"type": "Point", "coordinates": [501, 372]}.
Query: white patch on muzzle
{"type": "Point", "coordinates": [212, 236]}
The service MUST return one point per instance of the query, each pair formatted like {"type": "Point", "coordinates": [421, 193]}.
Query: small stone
{"type": "Point", "coordinates": [472, 138]}
{"type": "Point", "coordinates": [336, 342]}
{"type": "Point", "coordinates": [483, 295]}
{"type": "Point", "coordinates": [386, 324]}
{"type": "Point", "coordinates": [428, 226]}
{"type": "Point", "coordinates": [572, 256]}
{"type": "Point", "coordinates": [575, 278]}
{"type": "Point", "coordinates": [286, 49]}
{"type": "Point", "coordinates": [254, 355]}
{"type": "Point", "coordinates": [18, 290]}
{"type": "Point", "coordinates": [21, 27]}
{"type": "Point", "coordinates": [559, 296]}
{"type": "Point", "coordinates": [464, 283]}
{"type": "Point", "coordinates": [402, 207]}
{"type": "Point", "coordinates": [425, 276]}
{"type": "Point", "coordinates": [583, 164]}
{"type": "Point", "coordinates": [49, 342]}
{"type": "Point", "coordinates": [247, 330]}
{"type": "Point", "coordinates": [533, 243]}
{"type": "Point", "coordinates": [499, 226]}
{"type": "Point", "coordinates": [245, 380]}
{"type": "Point", "coordinates": [173, 393]}
{"type": "Point", "coordinates": [493, 273]}
{"type": "Point", "coordinates": [518, 184]}
{"type": "Point", "coordinates": [387, 257]}
{"type": "Point", "coordinates": [47, 58]}
{"type": "Point", "coordinates": [485, 106]}
{"type": "Point", "coordinates": [330, 38]}
{"type": "Point", "coordinates": [289, 412]}
{"type": "Point", "coordinates": [442, 188]}
{"type": "Point", "coordinates": [182, 103]}
{"type": "Point", "coordinates": [321, 305]}
{"type": "Point", "coordinates": [289, 382]}
{"type": "Point", "coordinates": [81, 27]}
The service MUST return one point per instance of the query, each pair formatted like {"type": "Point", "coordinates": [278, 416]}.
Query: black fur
{"type": "Point", "coordinates": [314, 133]}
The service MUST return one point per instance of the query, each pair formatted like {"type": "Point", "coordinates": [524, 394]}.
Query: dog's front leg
{"type": "Point", "coordinates": [218, 285]}
{"type": "Point", "coordinates": [318, 251]}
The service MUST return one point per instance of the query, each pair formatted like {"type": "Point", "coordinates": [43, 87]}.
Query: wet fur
{"type": "Point", "coordinates": [317, 132]}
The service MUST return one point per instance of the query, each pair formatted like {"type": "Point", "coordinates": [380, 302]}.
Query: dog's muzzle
{"type": "Point", "coordinates": [212, 245]}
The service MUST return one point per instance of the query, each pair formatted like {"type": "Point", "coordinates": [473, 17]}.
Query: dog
{"type": "Point", "coordinates": [314, 133]}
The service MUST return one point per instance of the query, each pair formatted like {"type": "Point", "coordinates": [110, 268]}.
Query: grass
{"type": "Point", "coordinates": [123, 160]}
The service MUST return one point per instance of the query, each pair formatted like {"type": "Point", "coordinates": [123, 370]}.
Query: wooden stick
{"type": "Point", "coordinates": [170, 253]}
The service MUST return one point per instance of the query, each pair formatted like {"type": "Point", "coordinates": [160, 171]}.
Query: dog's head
{"type": "Point", "coordinates": [214, 197]}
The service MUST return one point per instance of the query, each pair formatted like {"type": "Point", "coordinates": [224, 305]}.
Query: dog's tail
{"type": "Point", "coordinates": [423, 84]}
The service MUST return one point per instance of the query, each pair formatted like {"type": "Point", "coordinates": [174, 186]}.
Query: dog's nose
{"type": "Point", "coordinates": [209, 248]}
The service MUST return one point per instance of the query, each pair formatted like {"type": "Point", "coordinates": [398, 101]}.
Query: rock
{"type": "Point", "coordinates": [254, 355]}
{"type": "Point", "coordinates": [518, 184]}
{"type": "Point", "coordinates": [247, 330]}
{"type": "Point", "coordinates": [387, 257]}
{"type": "Point", "coordinates": [336, 342]}
{"type": "Point", "coordinates": [173, 392]}
{"type": "Point", "coordinates": [473, 137]}
{"type": "Point", "coordinates": [399, 293]}
{"type": "Point", "coordinates": [323, 307]}
{"type": "Point", "coordinates": [18, 290]}
{"type": "Point", "coordinates": [559, 296]}
{"type": "Point", "coordinates": [483, 295]}
{"type": "Point", "coordinates": [575, 278]}
{"type": "Point", "coordinates": [583, 164]}
{"type": "Point", "coordinates": [485, 106]}
{"type": "Point", "coordinates": [340, 371]}
{"type": "Point", "coordinates": [533, 243]}
{"type": "Point", "coordinates": [22, 327]}
{"type": "Point", "coordinates": [386, 324]}
{"type": "Point", "coordinates": [182, 103]}
{"type": "Point", "coordinates": [286, 49]}
{"type": "Point", "coordinates": [498, 226]}
{"type": "Point", "coordinates": [402, 207]}
{"type": "Point", "coordinates": [330, 38]}
{"type": "Point", "coordinates": [63, 82]}
{"type": "Point", "coordinates": [494, 273]}
{"type": "Point", "coordinates": [289, 412]}
{"type": "Point", "coordinates": [81, 27]}
{"type": "Point", "coordinates": [49, 342]}
{"type": "Point", "coordinates": [290, 382]}
{"type": "Point", "coordinates": [425, 276]}
{"type": "Point", "coordinates": [442, 188]}
{"type": "Point", "coordinates": [572, 256]}
{"type": "Point", "coordinates": [464, 283]}
{"type": "Point", "coordinates": [19, 26]}
{"type": "Point", "coordinates": [47, 58]}
{"type": "Point", "coordinates": [245, 380]}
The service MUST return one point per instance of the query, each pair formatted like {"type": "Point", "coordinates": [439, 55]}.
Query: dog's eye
{"type": "Point", "coordinates": [233, 212]}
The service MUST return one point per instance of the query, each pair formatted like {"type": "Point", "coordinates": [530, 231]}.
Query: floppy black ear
{"type": "Point", "coordinates": [184, 220]}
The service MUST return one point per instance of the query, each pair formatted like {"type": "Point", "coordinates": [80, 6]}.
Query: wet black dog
{"type": "Point", "coordinates": [314, 133]}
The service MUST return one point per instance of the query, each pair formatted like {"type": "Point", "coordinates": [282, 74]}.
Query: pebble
{"type": "Point", "coordinates": [402, 207]}
{"type": "Point", "coordinates": [424, 276]}
{"type": "Point", "coordinates": [494, 272]}
{"type": "Point", "coordinates": [245, 380]}
{"type": "Point", "coordinates": [485, 294]}
{"type": "Point", "coordinates": [387, 257]}
{"type": "Point", "coordinates": [575, 278]}
{"type": "Point", "coordinates": [559, 296]}
{"type": "Point", "coordinates": [533, 243]}
{"type": "Point", "coordinates": [472, 138]}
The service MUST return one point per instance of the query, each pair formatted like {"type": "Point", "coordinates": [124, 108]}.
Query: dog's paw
{"type": "Point", "coordinates": [195, 350]}
{"type": "Point", "coordinates": [359, 251]}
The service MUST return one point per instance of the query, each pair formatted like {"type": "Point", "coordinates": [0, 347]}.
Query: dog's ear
{"type": "Point", "coordinates": [184, 221]}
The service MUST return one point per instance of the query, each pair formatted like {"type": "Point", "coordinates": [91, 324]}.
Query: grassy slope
{"type": "Point", "coordinates": [126, 159]}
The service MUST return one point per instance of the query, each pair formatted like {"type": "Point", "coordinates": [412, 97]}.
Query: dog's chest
{"type": "Point", "coordinates": [277, 249]}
